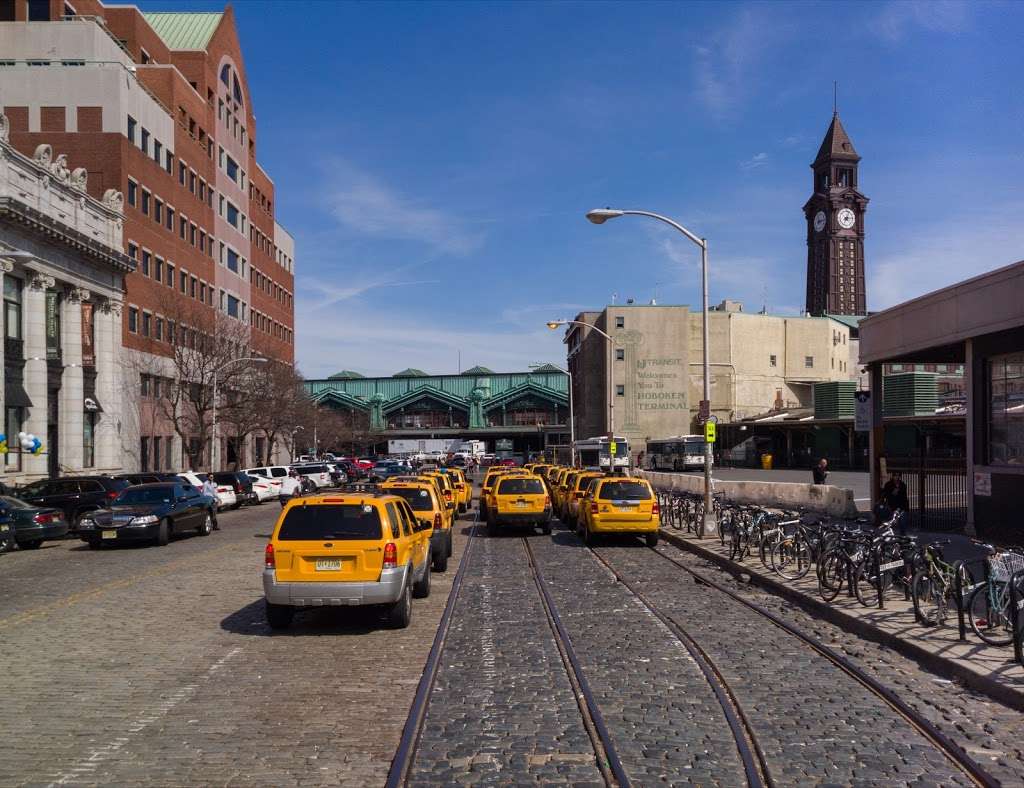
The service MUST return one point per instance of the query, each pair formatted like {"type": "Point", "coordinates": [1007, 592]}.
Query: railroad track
{"type": "Point", "coordinates": [963, 762]}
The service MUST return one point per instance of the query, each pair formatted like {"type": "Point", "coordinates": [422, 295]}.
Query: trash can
{"type": "Point", "coordinates": [766, 462]}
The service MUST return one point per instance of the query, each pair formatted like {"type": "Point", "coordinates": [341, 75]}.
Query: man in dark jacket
{"type": "Point", "coordinates": [894, 493]}
{"type": "Point", "coordinates": [821, 471]}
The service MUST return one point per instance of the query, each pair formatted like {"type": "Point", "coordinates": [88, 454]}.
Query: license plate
{"type": "Point", "coordinates": [521, 504]}
{"type": "Point", "coordinates": [328, 564]}
{"type": "Point", "coordinates": [4, 528]}
{"type": "Point", "coordinates": [625, 508]}
{"type": "Point", "coordinates": [109, 534]}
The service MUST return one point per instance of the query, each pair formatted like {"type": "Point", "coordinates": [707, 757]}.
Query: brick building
{"type": "Point", "coordinates": [157, 106]}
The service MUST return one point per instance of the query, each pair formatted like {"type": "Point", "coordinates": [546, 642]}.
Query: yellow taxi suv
{"type": "Point", "coordinates": [487, 496]}
{"type": "Point", "coordinates": [346, 549]}
{"type": "Point", "coordinates": [620, 505]}
{"type": "Point", "coordinates": [519, 499]}
{"type": "Point", "coordinates": [447, 485]}
{"type": "Point", "coordinates": [574, 495]}
{"type": "Point", "coordinates": [425, 502]}
{"type": "Point", "coordinates": [463, 488]}
{"type": "Point", "coordinates": [487, 484]}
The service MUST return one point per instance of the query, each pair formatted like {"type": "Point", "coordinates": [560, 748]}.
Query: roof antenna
{"type": "Point", "coordinates": [835, 98]}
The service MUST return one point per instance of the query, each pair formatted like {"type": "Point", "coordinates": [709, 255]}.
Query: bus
{"type": "Point", "coordinates": [595, 454]}
{"type": "Point", "coordinates": [680, 453]}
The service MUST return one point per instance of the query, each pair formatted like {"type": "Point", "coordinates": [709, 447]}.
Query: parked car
{"type": "Point", "coordinates": [147, 477]}
{"type": "Point", "coordinates": [385, 469]}
{"type": "Point", "coordinates": [150, 513]}
{"type": "Point", "coordinates": [225, 492]}
{"type": "Point", "coordinates": [318, 473]}
{"type": "Point", "coordinates": [265, 489]}
{"type": "Point", "coordinates": [75, 496]}
{"type": "Point", "coordinates": [29, 526]}
{"type": "Point", "coordinates": [270, 471]}
{"type": "Point", "coordinates": [241, 484]}
{"type": "Point", "coordinates": [338, 475]}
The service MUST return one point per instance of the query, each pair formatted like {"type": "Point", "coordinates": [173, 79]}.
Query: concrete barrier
{"type": "Point", "coordinates": [835, 501]}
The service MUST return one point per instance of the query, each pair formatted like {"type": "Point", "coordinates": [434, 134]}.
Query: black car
{"type": "Point", "coordinates": [240, 483]}
{"type": "Point", "coordinates": [147, 477]}
{"type": "Point", "coordinates": [75, 496]}
{"type": "Point", "coordinates": [150, 513]}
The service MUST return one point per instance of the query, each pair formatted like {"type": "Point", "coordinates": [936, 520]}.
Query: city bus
{"type": "Point", "coordinates": [595, 454]}
{"type": "Point", "coordinates": [680, 453]}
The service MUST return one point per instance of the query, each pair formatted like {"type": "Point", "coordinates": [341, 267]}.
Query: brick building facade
{"type": "Point", "coordinates": [157, 106]}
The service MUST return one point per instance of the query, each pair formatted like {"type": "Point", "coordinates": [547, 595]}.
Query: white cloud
{"type": "Point", "coordinates": [365, 205]}
{"type": "Point", "coordinates": [324, 294]}
{"type": "Point", "coordinates": [755, 161]}
{"type": "Point", "coordinates": [900, 18]}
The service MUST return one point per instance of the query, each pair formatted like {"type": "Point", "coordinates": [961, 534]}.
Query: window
{"type": "Point", "coordinates": [620, 354]}
{"type": "Point", "coordinates": [146, 257]}
{"type": "Point", "coordinates": [170, 274]}
{"type": "Point", "coordinates": [225, 73]}
{"type": "Point", "coordinates": [133, 193]}
{"type": "Point", "coordinates": [13, 426]}
{"type": "Point", "coordinates": [1005, 420]}
{"type": "Point", "coordinates": [131, 129]}
{"type": "Point", "coordinates": [181, 173]}
{"type": "Point", "coordinates": [202, 240]}
{"type": "Point", "coordinates": [232, 215]}
{"type": "Point", "coordinates": [168, 446]}
{"type": "Point", "coordinates": [809, 361]}
{"type": "Point", "coordinates": [231, 168]}
{"type": "Point", "coordinates": [156, 452]}
{"type": "Point", "coordinates": [147, 324]}
{"type": "Point", "coordinates": [12, 309]}
{"type": "Point", "coordinates": [169, 163]}
{"type": "Point", "coordinates": [88, 439]}
{"type": "Point", "coordinates": [184, 281]}
{"type": "Point", "coordinates": [145, 202]}
{"type": "Point", "coordinates": [620, 390]}
{"type": "Point", "coordinates": [158, 210]}
{"type": "Point", "coordinates": [232, 260]}
{"type": "Point", "coordinates": [182, 227]}
{"type": "Point", "coordinates": [192, 181]}
{"type": "Point", "coordinates": [158, 270]}
{"type": "Point", "coordinates": [133, 319]}
{"type": "Point", "coordinates": [192, 283]}
{"type": "Point", "coordinates": [620, 322]}
{"type": "Point", "coordinates": [145, 141]}
{"type": "Point", "coordinates": [170, 218]}
{"type": "Point", "coordinates": [192, 233]}
{"type": "Point", "coordinates": [158, 327]}
{"type": "Point", "coordinates": [202, 190]}
{"type": "Point", "coordinates": [158, 150]}
{"type": "Point", "coordinates": [170, 331]}
{"type": "Point", "coordinates": [144, 453]}
{"type": "Point", "coordinates": [202, 291]}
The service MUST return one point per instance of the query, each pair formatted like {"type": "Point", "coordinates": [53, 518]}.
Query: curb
{"type": "Point", "coordinates": [948, 668]}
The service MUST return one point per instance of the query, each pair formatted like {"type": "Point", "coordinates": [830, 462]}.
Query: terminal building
{"type": "Point", "coordinates": [514, 413]}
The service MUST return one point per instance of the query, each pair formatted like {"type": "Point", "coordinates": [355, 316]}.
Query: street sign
{"type": "Point", "coordinates": [704, 410]}
{"type": "Point", "coordinates": [982, 483]}
{"type": "Point", "coordinates": [710, 428]}
{"type": "Point", "coordinates": [613, 448]}
{"type": "Point", "coordinates": [862, 415]}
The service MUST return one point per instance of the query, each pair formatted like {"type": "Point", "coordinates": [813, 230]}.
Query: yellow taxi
{"type": "Point", "coordinates": [519, 499]}
{"type": "Point", "coordinates": [447, 486]}
{"type": "Point", "coordinates": [463, 488]}
{"type": "Point", "coordinates": [620, 504]}
{"type": "Point", "coordinates": [558, 481]}
{"type": "Point", "coordinates": [487, 494]}
{"type": "Point", "coordinates": [485, 487]}
{"type": "Point", "coordinates": [346, 549]}
{"type": "Point", "coordinates": [425, 502]}
{"type": "Point", "coordinates": [574, 495]}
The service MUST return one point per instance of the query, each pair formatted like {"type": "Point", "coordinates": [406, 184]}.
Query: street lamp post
{"type": "Point", "coordinates": [572, 418]}
{"type": "Point", "coordinates": [215, 453]}
{"type": "Point", "coordinates": [600, 216]}
{"type": "Point", "coordinates": [554, 324]}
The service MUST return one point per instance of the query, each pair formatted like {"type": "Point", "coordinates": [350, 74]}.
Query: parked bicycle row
{"type": "Point", "coordinates": [866, 561]}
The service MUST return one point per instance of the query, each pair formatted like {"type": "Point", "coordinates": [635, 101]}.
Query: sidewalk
{"type": "Point", "coordinates": [988, 669]}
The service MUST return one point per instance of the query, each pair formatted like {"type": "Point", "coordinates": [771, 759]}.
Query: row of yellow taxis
{"type": "Point", "coordinates": [371, 546]}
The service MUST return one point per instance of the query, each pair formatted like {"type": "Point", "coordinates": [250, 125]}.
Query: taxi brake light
{"type": "Point", "coordinates": [656, 509]}
{"type": "Point", "coordinates": [547, 501]}
{"type": "Point", "coordinates": [437, 520]}
{"type": "Point", "coordinates": [593, 507]}
{"type": "Point", "coordinates": [268, 556]}
{"type": "Point", "coordinates": [390, 556]}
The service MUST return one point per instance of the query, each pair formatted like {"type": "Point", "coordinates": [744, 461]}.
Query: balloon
{"type": "Point", "coordinates": [38, 449]}
{"type": "Point", "coordinates": [22, 436]}
{"type": "Point", "coordinates": [3, 438]}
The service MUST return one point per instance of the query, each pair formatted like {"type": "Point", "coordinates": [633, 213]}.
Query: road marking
{"type": "Point", "coordinates": [151, 715]}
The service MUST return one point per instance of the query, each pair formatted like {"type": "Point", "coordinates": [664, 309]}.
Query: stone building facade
{"type": "Point", "coordinates": [62, 272]}
{"type": "Point", "coordinates": [759, 363]}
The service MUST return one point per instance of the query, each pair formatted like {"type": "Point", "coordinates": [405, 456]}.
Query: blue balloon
{"type": "Point", "coordinates": [2, 437]}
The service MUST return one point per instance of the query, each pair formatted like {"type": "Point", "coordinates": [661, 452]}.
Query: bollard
{"type": "Point", "coordinates": [878, 577]}
{"type": "Point", "coordinates": [1015, 604]}
{"type": "Point", "coordinates": [958, 589]}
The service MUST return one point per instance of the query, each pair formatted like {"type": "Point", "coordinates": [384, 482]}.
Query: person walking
{"type": "Point", "coordinates": [821, 472]}
{"type": "Point", "coordinates": [894, 501]}
{"type": "Point", "coordinates": [290, 487]}
{"type": "Point", "coordinates": [210, 489]}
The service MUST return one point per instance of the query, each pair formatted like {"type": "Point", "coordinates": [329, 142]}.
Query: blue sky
{"type": "Point", "coordinates": [434, 160]}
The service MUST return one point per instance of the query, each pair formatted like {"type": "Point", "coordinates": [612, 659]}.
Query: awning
{"type": "Point", "coordinates": [15, 395]}
{"type": "Point", "coordinates": [92, 405]}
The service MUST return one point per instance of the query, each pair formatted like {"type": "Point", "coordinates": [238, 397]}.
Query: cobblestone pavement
{"type": "Point", "coordinates": [154, 666]}
{"type": "Point", "coordinates": [815, 724]}
{"type": "Point", "coordinates": [503, 709]}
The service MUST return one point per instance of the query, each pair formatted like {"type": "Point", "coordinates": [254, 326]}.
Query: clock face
{"type": "Point", "coordinates": [847, 218]}
{"type": "Point", "coordinates": [819, 221]}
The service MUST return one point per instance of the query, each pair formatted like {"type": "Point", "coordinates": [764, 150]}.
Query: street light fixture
{"type": "Point", "coordinates": [572, 418]}
{"type": "Point", "coordinates": [554, 324]}
{"type": "Point", "coordinates": [600, 216]}
{"type": "Point", "coordinates": [215, 454]}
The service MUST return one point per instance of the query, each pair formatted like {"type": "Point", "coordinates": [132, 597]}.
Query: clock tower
{"type": "Point", "coordinates": [835, 229]}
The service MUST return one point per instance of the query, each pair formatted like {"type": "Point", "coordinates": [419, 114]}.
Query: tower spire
{"type": "Point", "coordinates": [835, 98]}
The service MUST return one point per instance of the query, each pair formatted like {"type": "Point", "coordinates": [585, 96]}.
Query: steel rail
{"type": "Point", "coordinates": [610, 753]}
{"type": "Point", "coordinates": [755, 765]}
{"type": "Point", "coordinates": [406, 751]}
{"type": "Point", "coordinates": [950, 749]}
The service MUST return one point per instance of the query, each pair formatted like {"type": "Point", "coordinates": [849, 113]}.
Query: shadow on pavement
{"type": "Point", "coordinates": [310, 622]}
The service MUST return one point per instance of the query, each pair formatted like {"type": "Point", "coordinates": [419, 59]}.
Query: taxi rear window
{"type": "Point", "coordinates": [330, 521]}
{"type": "Point", "coordinates": [520, 487]}
{"type": "Point", "coordinates": [417, 498]}
{"type": "Point", "coordinates": [624, 491]}
{"type": "Point", "coordinates": [583, 481]}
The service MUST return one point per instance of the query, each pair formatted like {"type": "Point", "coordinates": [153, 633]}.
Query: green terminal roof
{"type": "Point", "coordinates": [478, 371]}
{"type": "Point", "coordinates": [184, 30]}
{"type": "Point", "coordinates": [411, 373]}
{"type": "Point", "coordinates": [345, 374]}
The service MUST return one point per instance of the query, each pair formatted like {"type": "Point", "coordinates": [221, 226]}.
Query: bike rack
{"type": "Point", "coordinates": [1016, 602]}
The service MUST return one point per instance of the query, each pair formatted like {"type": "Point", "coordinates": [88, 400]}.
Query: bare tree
{"type": "Point", "coordinates": [270, 403]}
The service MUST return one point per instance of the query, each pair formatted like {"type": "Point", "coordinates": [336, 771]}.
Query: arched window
{"type": "Point", "coordinates": [225, 71]}
{"type": "Point", "coordinates": [237, 90]}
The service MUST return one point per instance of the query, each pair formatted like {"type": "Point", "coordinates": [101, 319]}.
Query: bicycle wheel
{"type": "Point", "coordinates": [832, 575]}
{"type": "Point", "coordinates": [724, 526]}
{"type": "Point", "coordinates": [865, 577]}
{"type": "Point", "coordinates": [790, 558]}
{"type": "Point", "coordinates": [929, 601]}
{"type": "Point", "coordinates": [736, 545]}
{"type": "Point", "coordinates": [990, 617]}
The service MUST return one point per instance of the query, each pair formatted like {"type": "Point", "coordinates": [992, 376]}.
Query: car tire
{"type": "Point", "coordinates": [546, 527]}
{"type": "Point", "coordinates": [400, 613]}
{"type": "Point", "coordinates": [589, 537]}
{"type": "Point", "coordinates": [207, 527]}
{"type": "Point", "coordinates": [421, 590]}
{"type": "Point", "coordinates": [95, 544]}
{"type": "Point", "coordinates": [651, 540]}
{"type": "Point", "coordinates": [279, 616]}
{"type": "Point", "coordinates": [31, 544]}
{"type": "Point", "coordinates": [163, 534]}
{"type": "Point", "coordinates": [441, 561]}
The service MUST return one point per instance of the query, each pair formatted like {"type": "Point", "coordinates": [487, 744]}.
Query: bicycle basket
{"type": "Point", "coordinates": [1002, 566]}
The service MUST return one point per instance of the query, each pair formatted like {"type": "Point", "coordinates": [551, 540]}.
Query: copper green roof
{"type": "Point", "coordinates": [184, 30]}
{"type": "Point", "coordinates": [478, 371]}
{"type": "Point", "coordinates": [345, 374]}
{"type": "Point", "coordinates": [411, 373]}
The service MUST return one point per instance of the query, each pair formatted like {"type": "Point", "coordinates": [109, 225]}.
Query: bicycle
{"type": "Point", "coordinates": [933, 586]}
{"type": "Point", "coordinates": [988, 605]}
